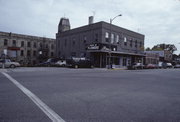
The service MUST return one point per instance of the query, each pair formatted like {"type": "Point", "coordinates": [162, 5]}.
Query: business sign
{"type": "Point", "coordinates": [5, 51]}
{"type": "Point", "coordinates": [93, 47]}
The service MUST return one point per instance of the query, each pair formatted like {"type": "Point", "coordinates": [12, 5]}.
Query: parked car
{"type": "Point", "coordinates": [61, 63]}
{"type": "Point", "coordinates": [169, 65]}
{"type": "Point", "coordinates": [8, 63]}
{"type": "Point", "coordinates": [177, 66]}
{"type": "Point", "coordinates": [136, 66]}
{"type": "Point", "coordinates": [49, 62]}
{"type": "Point", "coordinates": [79, 63]}
{"type": "Point", "coordinates": [150, 66]}
{"type": "Point", "coordinates": [162, 65]}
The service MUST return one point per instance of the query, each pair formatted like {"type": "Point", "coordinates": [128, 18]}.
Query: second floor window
{"type": "Point", "coordinates": [40, 45]}
{"type": "Point", "coordinates": [14, 42]}
{"type": "Point", "coordinates": [136, 43]}
{"type": "Point", "coordinates": [29, 44]}
{"type": "Point", "coordinates": [125, 41]}
{"type": "Point", "coordinates": [34, 45]}
{"type": "Point", "coordinates": [107, 37]}
{"type": "Point", "coordinates": [5, 42]}
{"type": "Point", "coordinates": [131, 42]}
{"type": "Point", "coordinates": [22, 43]}
{"type": "Point", "coordinates": [117, 39]}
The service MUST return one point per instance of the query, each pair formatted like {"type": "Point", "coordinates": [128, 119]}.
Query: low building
{"type": "Point", "coordinates": [151, 57]}
{"type": "Point", "coordinates": [28, 50]}
{"type": "Point", "coordinates": [164, 55]}
{"type": "Point", "coordinates": [102, 42]}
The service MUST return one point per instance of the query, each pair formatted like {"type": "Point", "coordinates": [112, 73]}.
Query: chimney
{"type": "Point", "coordinates": [91, 20]}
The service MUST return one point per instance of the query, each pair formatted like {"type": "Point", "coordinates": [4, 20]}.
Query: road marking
{"type": "Point", "coordinates": [47, 110]}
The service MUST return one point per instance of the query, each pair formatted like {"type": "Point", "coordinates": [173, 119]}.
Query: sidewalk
{"type": "Point", "coordinates": [3, 70]}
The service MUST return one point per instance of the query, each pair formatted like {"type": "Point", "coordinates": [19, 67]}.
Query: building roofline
{"type": "Point", "coordinates": [101, 22]}
{"type": "Point", "coordinates": [23, 35]}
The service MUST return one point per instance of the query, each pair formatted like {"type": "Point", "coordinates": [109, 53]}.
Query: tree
{"type": "Point", "coordinates": [170, 47]}
{"type": "Point", "coordinates": [148, 49]}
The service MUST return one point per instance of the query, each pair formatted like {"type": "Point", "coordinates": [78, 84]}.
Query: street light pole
{"type": "Point", "coordinates": [111, 20]}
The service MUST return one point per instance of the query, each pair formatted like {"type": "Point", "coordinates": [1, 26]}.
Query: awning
{"type": "Point", "coordinates": [115, 52]}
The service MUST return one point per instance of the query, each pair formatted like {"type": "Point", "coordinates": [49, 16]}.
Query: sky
{"type": "Point", "coordinates": [158, 20]}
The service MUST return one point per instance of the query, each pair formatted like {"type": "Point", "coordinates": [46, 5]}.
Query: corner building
{"type": "Point", "coordinates": [123, 47]}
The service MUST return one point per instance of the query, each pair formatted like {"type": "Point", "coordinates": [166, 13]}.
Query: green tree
{"type": "Point", "coordinates": [170, 47]}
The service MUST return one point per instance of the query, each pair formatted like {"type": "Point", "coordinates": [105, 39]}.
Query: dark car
{"type": "Point", "coordinates": [79, 63]}
{"type": "Point", "coordinates": [49, 62]}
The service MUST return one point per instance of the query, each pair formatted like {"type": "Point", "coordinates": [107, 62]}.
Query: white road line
{"type": "Point", "coordinates": [48, 111]}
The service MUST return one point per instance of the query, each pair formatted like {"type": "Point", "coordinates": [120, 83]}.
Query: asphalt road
{"type": "Point", "coordinates": [92, 95]}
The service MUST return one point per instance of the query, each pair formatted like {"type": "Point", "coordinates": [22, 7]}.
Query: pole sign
{"type": "Point", "coordinates": [5, 51]}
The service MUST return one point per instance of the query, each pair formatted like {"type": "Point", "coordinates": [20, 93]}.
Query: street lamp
{"type": "Point", "coordinates": [111, 20]}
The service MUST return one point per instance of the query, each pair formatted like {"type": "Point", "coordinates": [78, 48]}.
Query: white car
{"type": "Point", "coordinates": [61, 63]}
{"type": "Point", "coordinates": [8, 63]}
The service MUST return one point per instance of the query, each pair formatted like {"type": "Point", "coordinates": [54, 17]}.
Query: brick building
{"type": "Point", "coordinates": [28, 50]}
{"type": "Point", "coordinates": [100, 42]}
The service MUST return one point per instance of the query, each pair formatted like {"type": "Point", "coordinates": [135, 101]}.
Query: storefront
{"type": "Point", "coordinates": [102, 57]}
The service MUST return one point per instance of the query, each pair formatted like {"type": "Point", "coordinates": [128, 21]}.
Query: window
{"type": "Point", "coordinates": [29, 44]}
{"type": "Point", "coordinates": [84, 39]}
{"type": "Point", "coordinates": [140, 44]}
{"type": "Point", "coordinates": [22, 43]}
{"type": "Point", "coordinates": [136, 43]}
{"type": "Point", "coordinates": [14, 42]}
{"type": "Point", "coordinates": [34, 53]}
{"type": "Point", "coordinates": [125, 41]}
{"type": "Point", "coordinates": [22, 52]}
{"type": "Point", "coordinates": [5, 42]}
{"type": "Point", "coordinates": [40, 45]}
{"type": "Point", "coordinates": [131, 42]}
{"type": "Point", "coordinates": [124, 61]}
{"type": "Point", "coordinates": [52, 54]}
{"type": "Point", "coordinates": [107, 37]}
{"type": "Point", "coordinates": [28, 53]}
{"type": "Point", "coordinates": [112, 38]}
{"type": "Point", "coordinates": [117, 39]}
{"type": "Point", "coordinates": [34, 45]}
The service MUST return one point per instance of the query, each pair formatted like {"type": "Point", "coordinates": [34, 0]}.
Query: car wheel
{"type": "Point", "coordinates": [12, 66]}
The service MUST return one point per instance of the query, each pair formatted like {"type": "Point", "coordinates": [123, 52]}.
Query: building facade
{"type": "Point", "coordinates": [164, 55]}
{"type": "Point", "coordinates": [151, 57]}
{"type": "Point", "coordinates": [25, 49]}
{"type": "Point", "coordinates": [101, 42]}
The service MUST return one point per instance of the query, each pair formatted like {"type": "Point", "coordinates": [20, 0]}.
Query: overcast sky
{"type": "Point", "coordinates": [158, 20]}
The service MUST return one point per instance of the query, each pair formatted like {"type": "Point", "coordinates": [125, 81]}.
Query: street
{"type": "Point", "coordinates": [90, 95]}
